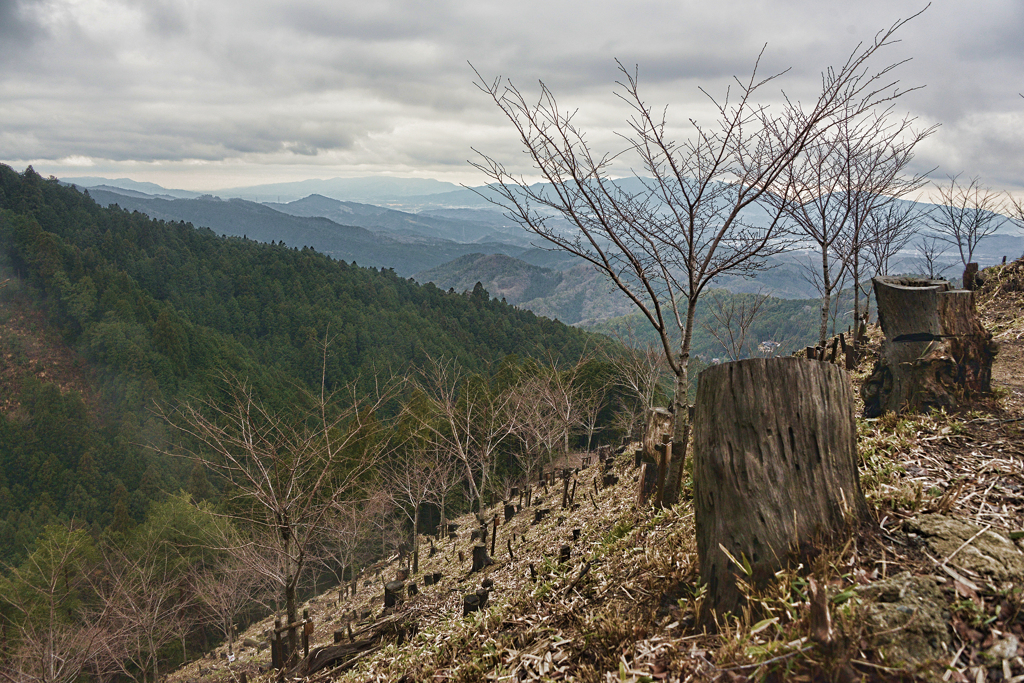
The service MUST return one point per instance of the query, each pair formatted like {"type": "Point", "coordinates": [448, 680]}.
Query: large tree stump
{"type": "Point", "coordinates": [936, 352]}
{"type": "Point", "coordinates": [774, 469]}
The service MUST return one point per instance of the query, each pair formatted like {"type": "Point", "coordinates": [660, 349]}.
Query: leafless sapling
{"type": "Point", "coordinates": [663, 244]}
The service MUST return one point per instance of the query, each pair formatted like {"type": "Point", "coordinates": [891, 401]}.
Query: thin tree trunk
{"type": "Point", "coordinates": [680, 412]}
{"type": "Point", "coordinates": [856, 290]}
{"type": "Point", "coordinates": [474, 492]}
{"type": "Point", "coordinates": [826, 298]}
{"type": "Point", "coordinates": [414, 545]}
{"type": "Point", "coordinates": [293, 614]}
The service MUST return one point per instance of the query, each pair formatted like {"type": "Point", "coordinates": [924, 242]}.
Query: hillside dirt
{"type": "Point", "coordinates": [932, 589]}
{"type": "Point", "coordinates": [29, 349]}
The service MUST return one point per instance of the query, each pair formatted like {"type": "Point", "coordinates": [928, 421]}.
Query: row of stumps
{"type": "Point", "coordinates": [283, 634]}
{"type": "Point", "coordinates": [395, 591]}
{"type": "Point", "coordinates": [841, 350]}
{"type": "Point", "coordinates": [477, 600]}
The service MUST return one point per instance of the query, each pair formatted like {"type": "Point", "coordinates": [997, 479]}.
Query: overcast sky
{"type": "Point", "coordinates": [207, 94]}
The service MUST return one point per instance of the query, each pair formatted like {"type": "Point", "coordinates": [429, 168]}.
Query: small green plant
{"type": "Point", "coordinates": [621, 528]}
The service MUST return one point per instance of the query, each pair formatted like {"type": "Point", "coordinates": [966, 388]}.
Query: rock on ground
{"type": "Point", "coordinates": [988, 552]}
{"type": "Point", "coordinates": [907, 623]}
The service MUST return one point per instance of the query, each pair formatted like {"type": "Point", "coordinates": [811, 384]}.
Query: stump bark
{"type": "Point", "coordinates": [774, 469]}
{"type": "Point", "coordinates": [480, 558]}
{"type": "Point", "coordinates": [393, 593]}
{"type": "Point", "coordinates": [659, 425]}
{"type": "Point", "coordinates": [936, 353]}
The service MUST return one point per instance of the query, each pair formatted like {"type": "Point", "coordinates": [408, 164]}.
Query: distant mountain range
{"type": "Point", "coordinates": [466, 229]}
{"type": "Point", "coordinates": [407, 251]}
{"type": "Point", "coordinates": [451, 236]}
{"type": "Point", "coordinates": [121, 184]}
{"type": "Point", "coordinates": [349, 189]}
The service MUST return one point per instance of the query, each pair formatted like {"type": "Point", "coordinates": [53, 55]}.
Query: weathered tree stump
{"type": "Point", "coordinates": [564, 553]}
{"type": "Point", "coordinates": [412, 590]}
{"type": "Point", "coordinates": [510, 511]}
{"type": "Point", "coordinates": [480, 557]}
{"type": "Point", "coordinates": [774, 470]}
{"type": "Point", "coordinates": [540, 514]}
{"type": "Point", "coordinates": [970, 276]}
{"type": "Point", "coordinates": [393, 592]}
{"type": "Point", "coordinates": [470, 603]}
{"type": "Point", "coordinates": [936, 352]}
{"type": "Point", "coordinates": [659, 425]}
{"type": "Point", "coordinates": [646, 483]}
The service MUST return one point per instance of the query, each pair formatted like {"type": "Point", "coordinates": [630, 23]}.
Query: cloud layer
{"type": "Point", "coordinates": [211, 94]}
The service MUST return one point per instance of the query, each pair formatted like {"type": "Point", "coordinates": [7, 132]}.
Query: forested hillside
{"type": "Point", "coordinates": [149, 312]}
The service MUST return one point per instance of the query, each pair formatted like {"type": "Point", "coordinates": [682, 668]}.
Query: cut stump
{"type": "Point", "coordinates": [936, 352]}
{"type": "Point", "coordinates": [774, 470]}
{"type": "Point", "coordinates": [480, 558]}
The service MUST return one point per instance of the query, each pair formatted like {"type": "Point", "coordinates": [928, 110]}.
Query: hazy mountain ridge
{"type": "Point", "coordinates": [382, 218]}
{"type": "Point", "coordinates": [238, 217]}
{"type": "Point", "coordinates": [455, 223]}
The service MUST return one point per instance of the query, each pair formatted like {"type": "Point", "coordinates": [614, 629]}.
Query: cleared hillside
{"type": "Point", "coordinates": [931, 589]}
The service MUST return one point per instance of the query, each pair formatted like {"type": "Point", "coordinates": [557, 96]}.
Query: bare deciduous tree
{"type": "Point", "coordinates": [226, 587]}
{"type": "Point", "coordinates": [849, 174]}
{"type": "Point", "coordinates": [537, 426]}
{"type": "Point", "coordinates": [413, 476]}
{"type": "Point", "coordinates": [346, 531]}
{"type": "Point", "coordinates": [1016, 207]}
{"type": "Point", "coordinates": [931, 250]}
{"type": "Point", "coordinates": [663, 245]}
{"type": "Point", "coordinates": [734, 314]}
{"type": "Point", "coordinates": [56, 634]}
{"type": "Point", "coordinates": [287, 472]}
{"type": "Point", "coordinates": [888, 232]}
{"type": "Point", "coordinates": [465, 418]}
{"type": "Point", "coordinates": [590, 405]}
{"type": "Point", "coordinates": [143, 603]}
{"type": "Point", "coordinates": [966, 214]}
{"type": "Point", "coordinates": [814, 200]}
{"type": "Point", "coordinates": [878, 153]}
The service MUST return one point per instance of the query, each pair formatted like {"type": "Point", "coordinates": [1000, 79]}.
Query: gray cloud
{"type": "Point", "coordinates": [307, 88]}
